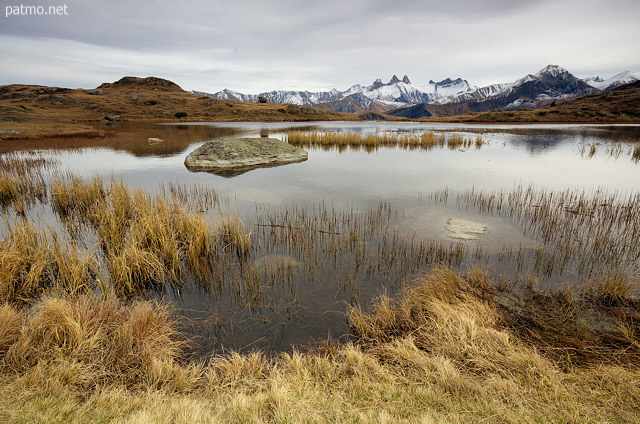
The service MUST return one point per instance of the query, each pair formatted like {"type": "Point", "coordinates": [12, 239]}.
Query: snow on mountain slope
{"type": "Point", "coordinates": [615, 81]}
{"type": "Point", "coordinates": [551, 82]}
{"type": "Point", "coordinates": [395, 93]}
{"type": "Point", "coordinates": [477, 94]}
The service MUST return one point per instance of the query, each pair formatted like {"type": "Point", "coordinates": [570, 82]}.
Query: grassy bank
{"type": "Point", "coordinates": [81, 341]}
{"type": "Point", "coordinates": [449, 349]}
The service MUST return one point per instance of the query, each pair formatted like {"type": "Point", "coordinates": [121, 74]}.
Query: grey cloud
{"type": "Point", "coordinates": [256, 45]}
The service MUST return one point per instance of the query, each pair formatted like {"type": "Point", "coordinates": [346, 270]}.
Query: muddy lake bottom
{"type": "Point", "coordinates": [350, 223]}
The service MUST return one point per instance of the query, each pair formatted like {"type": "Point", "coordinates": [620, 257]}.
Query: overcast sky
{"type": "Point", "coordinates": [259, 45]}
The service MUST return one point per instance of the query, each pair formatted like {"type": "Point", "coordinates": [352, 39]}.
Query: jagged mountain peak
{"type": "Point", "coordinates": [533, 90]}
{"type": "Point", "coordinates": [394, 80]}
{"type": "Point", "coordinates": [553, 71]}
{"type": "Point", "coordinates": [377, 84]}
{"type": "Point", "coordinates": [449, 81]}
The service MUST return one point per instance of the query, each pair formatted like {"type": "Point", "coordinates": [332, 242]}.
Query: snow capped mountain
{"type": "Point", "coordinates": [396, 93]}
{"type": "Point", "coordinates": [531, 91]}
{"type": "Point", "coordinates": [614, 82]}
{"type": "Point", "coordinates": [551, 82]}
{"type": "Point", "coordinates": [448, 87]}
{"type": "Point", "coordinates": [476, 94]}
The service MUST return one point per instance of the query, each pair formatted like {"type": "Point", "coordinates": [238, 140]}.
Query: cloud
{"type": "Point", "coordinates": [257, 45]}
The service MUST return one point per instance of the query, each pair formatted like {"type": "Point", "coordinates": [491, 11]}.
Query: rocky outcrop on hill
{"type": "Point", "coordinates": [233, 156]}
{"type": "Point", "coordinates": [150, 82]}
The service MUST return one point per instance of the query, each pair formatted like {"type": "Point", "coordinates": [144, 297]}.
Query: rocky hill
{"type": "Point", "coordinates": [32, 111]}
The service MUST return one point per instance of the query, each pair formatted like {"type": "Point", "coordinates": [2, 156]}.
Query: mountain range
{"type": "Point", "coordinates": [400, 97]}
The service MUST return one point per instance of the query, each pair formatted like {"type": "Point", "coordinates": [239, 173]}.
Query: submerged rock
{"type": "Point", "coordinates": [271, 264]}
{"type": "Point", "coordinates": [443, 224]}
{"type": "Point", "coordinates": [462, 229]}
{"type": "Point", "coordinates": [233, 156]}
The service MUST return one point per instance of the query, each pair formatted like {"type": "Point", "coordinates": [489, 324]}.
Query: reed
{"type": "Point", "coordinates": [145, 240]}
{"type": "Point", "coordinates": [427, 140]}
{"type": "Point", "coordinates": [635, 153]}
{"type": "Point", "coordinates": [73, 196]}
{"type": "Point", "coordinates": [22, 181]}
{"type": "Point", "coordinates": [33, 261]}
{"type": "Point", "coordinates": [613, 290]}
{"type": "Point", "coordinates": [195, 197]}
{"type": "Point", "coordinates": [21, 191]}
{"type": "Point", "coordinates": [10, 327]}
{"type": "Point", "coordinates": [233, 235]}
{"type": "Point", "coordinates": [590, 230]}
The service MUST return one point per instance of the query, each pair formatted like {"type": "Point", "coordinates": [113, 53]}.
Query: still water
{"type": "Point", "coordinates": [396, 203]}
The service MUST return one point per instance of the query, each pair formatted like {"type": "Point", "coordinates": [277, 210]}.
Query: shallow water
{"type": "Point", "coordinates": [306, 297]}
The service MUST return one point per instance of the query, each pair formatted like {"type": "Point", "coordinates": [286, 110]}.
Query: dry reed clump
{"type": "Point", "coordinates": [232, 234]}
{"type": "Point", "coordinates": [73, 197]}
{"type": "Point", "coordinates": [597, 324]}
{"type": "Point", "coordinates": [635, 154]}
{"type": "Point", "coordinates": [10, 326]}
{"type": "Point", "coordinates": [131, 241]}
{"type": "Point", "coordinates": [85, 341]}
{"type": "Point", "coordinates": [454, 322]}
{"type": "Point", "coordinates": [426, 140]}
{"type": "Point", "coordinates": [33, 261]}
{"type": "Point", "coordinates": [22, 182]}
{"type": "Point", "coordinates": [613, 290]}
{"type": "Point", "coordinates": [543, 353]}
{"type": "Point", "coordinates": [145, 240]}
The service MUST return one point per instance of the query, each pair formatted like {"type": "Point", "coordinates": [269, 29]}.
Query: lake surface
{"type": "Point", "coordinates": [411, 195]}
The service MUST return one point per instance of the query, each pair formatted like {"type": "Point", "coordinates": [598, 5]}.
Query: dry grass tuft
{"type": "Point", "coordinates": [449, 316]}
{"type": "Point", "coordinates": [444, 351]}
{"type": "Point", "coordinates": [635, 154]}
{"type": "Point", "coordinates": [10, 326]}
{"type": "Point", "coordinates": [86, 341]}
{"type": "Point", "coordinates": [32, 261]}
{"type": "Point", "coordinates": [614, 290]}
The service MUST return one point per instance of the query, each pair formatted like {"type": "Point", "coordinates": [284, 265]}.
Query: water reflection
{"type": "Point", "coordinates": [320, 228]}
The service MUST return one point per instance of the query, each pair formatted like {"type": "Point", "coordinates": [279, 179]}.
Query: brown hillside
{"type": "Point", "coordinates": [621, 105]}
{"type": "Point", "coordinates": [34, 111]}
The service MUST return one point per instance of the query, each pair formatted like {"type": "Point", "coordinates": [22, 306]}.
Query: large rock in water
{"type": "Point", "coordinates": [233, 156]}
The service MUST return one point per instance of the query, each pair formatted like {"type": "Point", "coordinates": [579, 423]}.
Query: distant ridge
{"type": "Point", "coordinates": [451, 96]}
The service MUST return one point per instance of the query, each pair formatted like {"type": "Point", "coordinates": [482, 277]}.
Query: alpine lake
{"type": "Point", "coordinates": [538, 205]}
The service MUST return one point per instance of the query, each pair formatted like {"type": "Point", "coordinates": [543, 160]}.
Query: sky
{"type": "Point", "coordinates": [254, 46]}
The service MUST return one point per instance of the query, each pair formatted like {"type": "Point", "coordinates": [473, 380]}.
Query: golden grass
{"type": "Point", "coordinates": [426, 140]}
{"type": "Point", "coordinates": [33, 261]}
{"type": "Point", "coordinates": [141, 241]}
{"type": "Point", "coordinates": [446, 350]}
{"type": "Point", "coordinates": [22, 181]}
{"type": "Point", "coordinates": [86, 341]}
{"type": "Point", "coordinates": [449, 348]}
{"type": "Point", "coordinates": [635, 154]}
